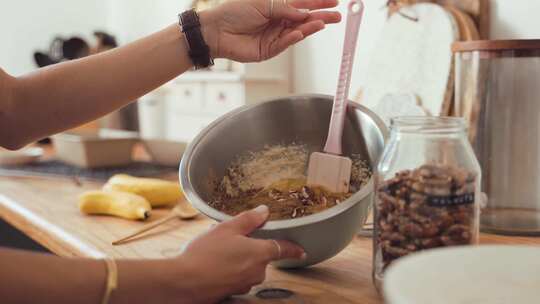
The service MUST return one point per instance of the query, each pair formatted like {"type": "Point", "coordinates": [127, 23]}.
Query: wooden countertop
{"type": "Point", "coordinates": [45, 209]}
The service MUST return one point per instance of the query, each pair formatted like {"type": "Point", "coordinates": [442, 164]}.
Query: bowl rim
{"type": "Point", "coordinates": [219, 216]}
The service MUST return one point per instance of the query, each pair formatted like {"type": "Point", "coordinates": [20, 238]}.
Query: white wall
{"type": "Point", "coordinates": [516, 19]}
{"type": "Point", "coordinates": [129, 19]}
{"type": "Point", "coordinates": [30, 25]}
{"type": "Point", "coordinates": [317, 59]}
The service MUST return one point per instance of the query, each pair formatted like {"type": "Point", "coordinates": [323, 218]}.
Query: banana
{"type": "Point", "coordinates": [158, 192]}
{"type": "Point", "coordinates": [122, 204]}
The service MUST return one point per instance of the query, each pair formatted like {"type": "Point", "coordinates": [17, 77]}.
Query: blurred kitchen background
{"type": "Point", "coordinates": [394, 56]}
{"type": "Point", "coordinates": [404, 66]}
{"type": "Point", "coordinates": [196, 98]}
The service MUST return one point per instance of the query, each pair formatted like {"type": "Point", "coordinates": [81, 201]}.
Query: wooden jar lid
{"type": "Point", "coordinates": [496, 45]}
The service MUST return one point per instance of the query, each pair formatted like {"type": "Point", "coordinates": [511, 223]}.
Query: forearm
{"type": "Point", "coordinates": [68, 94]}
{"type": "Point", "coordinates": [31, 277]}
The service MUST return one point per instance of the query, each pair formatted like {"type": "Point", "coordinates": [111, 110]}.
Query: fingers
{"type": "Point", "coordinates": [242, 290]}
{"type": "Point", "coordinates": [310, 28]}
{"type": "Point", "coordinates": [280, 9]}
{"type": "Point", "coordinates": [248, 221]}
{"type": "Point", "coordinates": [280, 250]}
{"type": "Point", "coordinates": [292, 36]}
{"type": "Point", "coordinates": [287, 39]}
{"type": "Point", "coordinates": [291, 10]}
{"type": "Point", "coordinates": [313, 4]}
{"type": "Point", "coordinates": [326, 17]}
{"type": "Point", "coordinates": [289, 250]}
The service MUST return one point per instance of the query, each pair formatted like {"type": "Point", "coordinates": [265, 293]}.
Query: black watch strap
{"type": "Point", "coordinates": [199, 52]}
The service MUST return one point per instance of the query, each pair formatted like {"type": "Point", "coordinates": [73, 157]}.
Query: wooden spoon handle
{"type": "Point", "coordinates": [145, 228]}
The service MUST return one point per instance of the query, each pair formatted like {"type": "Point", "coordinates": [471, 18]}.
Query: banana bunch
{"type": "Point", "coordinates": [122, 204]}
{"type": "Point", "coordinates": [130, 197]}
{"type": "Point", "coordinates": [158, 192]}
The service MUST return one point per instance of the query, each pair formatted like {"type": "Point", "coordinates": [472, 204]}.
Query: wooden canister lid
{"type": "Point", "coordinates": [496, 45]}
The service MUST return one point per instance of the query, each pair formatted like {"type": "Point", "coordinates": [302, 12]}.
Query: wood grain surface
{"type": "Point", "coordinates": [479, 10]}
{"type": "Point", "coordinates": [467, 27]}
{"type": "Point", "coordinates": [45, 209]}
{"type": "Point", "coordinates": [468, 32]}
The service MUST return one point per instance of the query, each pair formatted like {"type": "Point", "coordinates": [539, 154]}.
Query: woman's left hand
{"type": "Point", "coordinates": [224, 261]}
{"type": "Point", "coordinates": [256, 30]}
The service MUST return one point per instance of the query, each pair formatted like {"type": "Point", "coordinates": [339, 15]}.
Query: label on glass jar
{"type": "Point", "coordinates": [451, 200]}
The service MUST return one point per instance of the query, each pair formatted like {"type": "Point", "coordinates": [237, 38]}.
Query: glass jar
{"type": "Point", "coordinates": [427, 190]}
{"type": "Point", "coordinates": [497, 91]}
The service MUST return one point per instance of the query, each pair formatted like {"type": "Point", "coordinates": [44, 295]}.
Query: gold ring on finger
{"type": "Point", "coordinates": [278, 249]}
{"type": "Point", "coordinates": [271, 8]}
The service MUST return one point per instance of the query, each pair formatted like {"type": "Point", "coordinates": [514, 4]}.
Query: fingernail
{"type": "Point", "coordinates": [303, 10]}
{"type": "Point", "coordinates": [262, 209]}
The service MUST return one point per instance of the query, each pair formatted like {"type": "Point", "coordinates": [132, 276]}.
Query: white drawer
{"type": "Point", "coordinates": [185, 127]}
{"type": "Point", "coordinates": [185, 98]}
{"type": "Point", "coordinates": [152, 115]}
{"type": "Point", "coordinates": [223, 97]}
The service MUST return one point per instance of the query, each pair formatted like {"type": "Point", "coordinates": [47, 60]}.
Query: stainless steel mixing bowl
{"type": "Point", "coordinates": [298, 119]}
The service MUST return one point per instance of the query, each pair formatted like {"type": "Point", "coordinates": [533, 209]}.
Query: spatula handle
{"type": "Point", "coordinates": [354, 18]}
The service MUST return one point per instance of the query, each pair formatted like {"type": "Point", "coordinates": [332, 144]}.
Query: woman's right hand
{"type": "Point", "coordinates": [256, 30]}
{"type": "Point", "coordinates": [224, 261]}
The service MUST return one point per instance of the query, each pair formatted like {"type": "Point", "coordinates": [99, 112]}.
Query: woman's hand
{"type": "Point", "coordinates": [256, 30]}
{"type": "Point", "coordinates": [224, 261]}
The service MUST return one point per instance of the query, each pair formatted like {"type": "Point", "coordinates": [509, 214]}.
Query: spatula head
{"type": "Point", "coordinates": [330, 171]}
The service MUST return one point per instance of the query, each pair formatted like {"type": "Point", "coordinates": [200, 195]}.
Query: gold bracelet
{"type": "Point", "coordinates": [112, 279]}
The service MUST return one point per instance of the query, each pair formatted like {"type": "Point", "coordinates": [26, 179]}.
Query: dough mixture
{"type": "Point", "coordinates": [276, 176]}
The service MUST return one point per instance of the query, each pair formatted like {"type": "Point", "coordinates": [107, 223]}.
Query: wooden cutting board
{"type": "Point", "coordinates": [414, 56]}
{"type": "Point", "coordinates": [479, 10]}
{"type": "Point", "coordinates": [467, 32]}
{"type": "Point", "coordinates": [467, 28]}
{"type": "Point", "coordinates": [471, 90]}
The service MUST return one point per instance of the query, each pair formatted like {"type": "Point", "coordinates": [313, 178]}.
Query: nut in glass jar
{"type": "Point", "coordinates": [428, 200]}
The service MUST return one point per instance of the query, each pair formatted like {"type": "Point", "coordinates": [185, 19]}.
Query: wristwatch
{"type": "Point", "coordinates": [199, 52]}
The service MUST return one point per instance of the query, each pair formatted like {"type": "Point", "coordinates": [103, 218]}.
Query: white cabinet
{"type": "Point", "coordinates": [152, 115]}
{"type": "Point", "coordinates": [185, 98]}
{"type": "Point", "coordinates": [183, 107]}
{"type": "Point", "coordinates": [223, 97]}
{"type": "Point", "coordinates": [185, 127]}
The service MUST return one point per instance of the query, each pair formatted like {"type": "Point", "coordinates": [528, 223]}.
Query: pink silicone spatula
{"type": "Point", "coordinates": [329, 169]}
